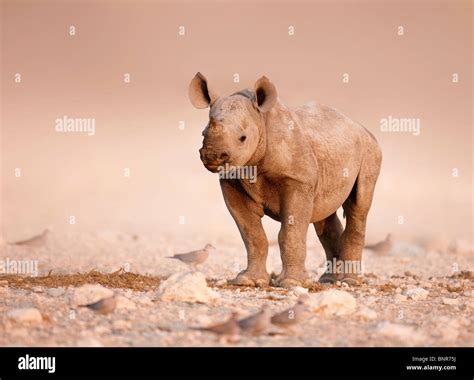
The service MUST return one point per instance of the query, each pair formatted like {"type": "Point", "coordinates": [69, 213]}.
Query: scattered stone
{"type": "Point", "coordinates": [298, 291]}
{"type": "Point", "coordinates": [366, 313]}
{"type": "Point", "coordinates": [89, 293]}
{"type": "Point", "coordinates": [451, 301]}
{"type": "Point", "coordinates": [37, 289]}
{"type": "Point", "coordinates": [400, 298]}
{"type": "Point", "coordinates": [401, 333]}
{"type": "Point", "coordinates": [121, 324]}
{"type": "Point", "coordinates": [124, 303]}
{"type": "Point", "coordinates": [56, 292]}
{"type": "Point", "coordinates": [25, 315]}
{"type": "Point", "coordinates": [221, 282]}
{"type": "Point", "coordinates": [417, 294]}
{"type": "Point", "coordinates": [143, 299]}
{"type": "Point", "coordinates": [88, 342]}
{"type": "Point", "coordinates": [447, 328]}
{"type": "Point", "coordinates": [19, 333]}
{"type": "Point", "coordinates": [370, 300]}
{"type": "Point", "coordinates": [101, 330]}
{"type": "Point", "coordinates": [187, 287]}
{"type": "Point", "coordinates": [332, 302]}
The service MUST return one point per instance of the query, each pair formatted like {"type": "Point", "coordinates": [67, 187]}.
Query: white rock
{"type": "Point", "coordinates": [143, 299]}
{"type": "Point", "coordinates": [399, 298]}
{"type": "Point", "coordinates": [417, 294]}
{"type": "Point", "coordinates": [450, 301]}
{"type": "Point", "coordinates": [332, 302]}
{"type": "Point", "coordinates": [402, 333]}
{"type": "Point", "coordinates": [299, 291]}
{"type": "Point", "coordinates": [25, 315]}
{"type": "Point", "coordinates": [123, 303]}
{"type": "Point", "coordinates": [37, 289]}
{"type": "Point", "coordinates": [187, 287]}
{"type": "Point", "coordinates": [367, 313]}
{"type": "Point", "coordinates": [56, 292]}
{"type": "Point", "coordinates": [90, 293]}
{"type": "Point", "coordinates": [221, 282]}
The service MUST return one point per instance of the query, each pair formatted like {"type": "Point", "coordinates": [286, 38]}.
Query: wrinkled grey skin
{"type": "Point", "coordinates": [310, 161]}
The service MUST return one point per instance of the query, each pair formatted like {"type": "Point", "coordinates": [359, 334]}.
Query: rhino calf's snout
{"type": "Point", "coordinates": [212, 158]}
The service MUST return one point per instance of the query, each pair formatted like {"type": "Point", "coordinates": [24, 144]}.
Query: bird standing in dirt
{"type": "Point", "coordinates": [293, 316]}
{"type": "Point", "coordinates": [35, 241]}
{"type": "Point", "coordinates": [382, 247]}
{"type": "Point", "coordinates": [103, 306]}
{"type": "Point", "coordinates": [194, 258]}
{"type": "Point", "coordinates": [257, 323]}
{"type": "Point", "coordinates": [229, 327]}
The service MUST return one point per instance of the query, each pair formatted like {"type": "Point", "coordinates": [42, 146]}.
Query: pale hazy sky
{"type": "Point", "coordinates": [81, 76]}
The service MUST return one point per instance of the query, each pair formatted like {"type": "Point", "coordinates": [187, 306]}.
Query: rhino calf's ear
{"type": "Point", "coordinates": [199, 93]}
{"type": "Point", "coordinates": [265, 94]}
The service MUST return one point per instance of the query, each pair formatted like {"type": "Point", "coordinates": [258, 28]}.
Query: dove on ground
{"type": "Point", "coordinates": [229, 327]}
{"type": "Point", "coordinates": [35, 241]}
{"type": "Point", "coordinates": [257, 323]}
{"type": "Point", "coordinates": [103, 306]}
{"type": "Point", "coordinates": [383, 246]}
{"type": "Point", "coordinates": [292, 316]}
{"type": "Point", "coordinates": [194, 258]}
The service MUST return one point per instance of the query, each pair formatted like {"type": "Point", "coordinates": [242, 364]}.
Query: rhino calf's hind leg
{"type": "Point", "coordinates": [356, 208]}
{"type": "Point", "coordinates": [329, 232]}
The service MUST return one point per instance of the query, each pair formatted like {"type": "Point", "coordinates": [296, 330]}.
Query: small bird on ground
{"type": "Point", "coordinates": [35, 241]}
{"type": "Point", "coordinates": [103, 306]}
{"type": "Point", "coordinates": [257, 323]}
{"type": "Point", "coordinates": [292, 316]}
{"type": "Point", "coordinates": [229, 327]}
{"type": "Point", "coordinates": [382, 247]}
{"type": "Point", "coordinates": [194, 258]}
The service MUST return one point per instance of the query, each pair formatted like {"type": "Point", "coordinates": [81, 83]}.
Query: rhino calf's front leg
{"type": "Point", "coordinates": [248, 217]}
{"type": "Point", "coordinates": [295, 215]}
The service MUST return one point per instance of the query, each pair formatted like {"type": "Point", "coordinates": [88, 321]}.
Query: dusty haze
{"type": "Point", "coordinates": [137, 123]}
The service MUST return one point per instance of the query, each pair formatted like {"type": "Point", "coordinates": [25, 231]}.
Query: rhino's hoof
{"type": "Point", "coordinates": [350, 279]}
{"type": "Point", "coordinates": [290, 282]}
{"type": "Point", "coordinates": [245, 280]}
{"type": "Point", "coordinates": [328, 278]}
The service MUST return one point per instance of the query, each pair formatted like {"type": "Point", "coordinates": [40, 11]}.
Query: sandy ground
{"type": "Point", "coordinates": [385, 316]}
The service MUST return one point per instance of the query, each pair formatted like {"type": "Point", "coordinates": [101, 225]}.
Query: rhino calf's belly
{"type": "Point", "coordinates": [327, 203]}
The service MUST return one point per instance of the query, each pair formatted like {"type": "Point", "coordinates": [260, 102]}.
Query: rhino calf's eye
{"type": "Point", "coordinates": [242, 138]}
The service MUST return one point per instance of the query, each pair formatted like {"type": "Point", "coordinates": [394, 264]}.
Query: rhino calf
{"type": "Point", "coordinates": [310, 161]}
